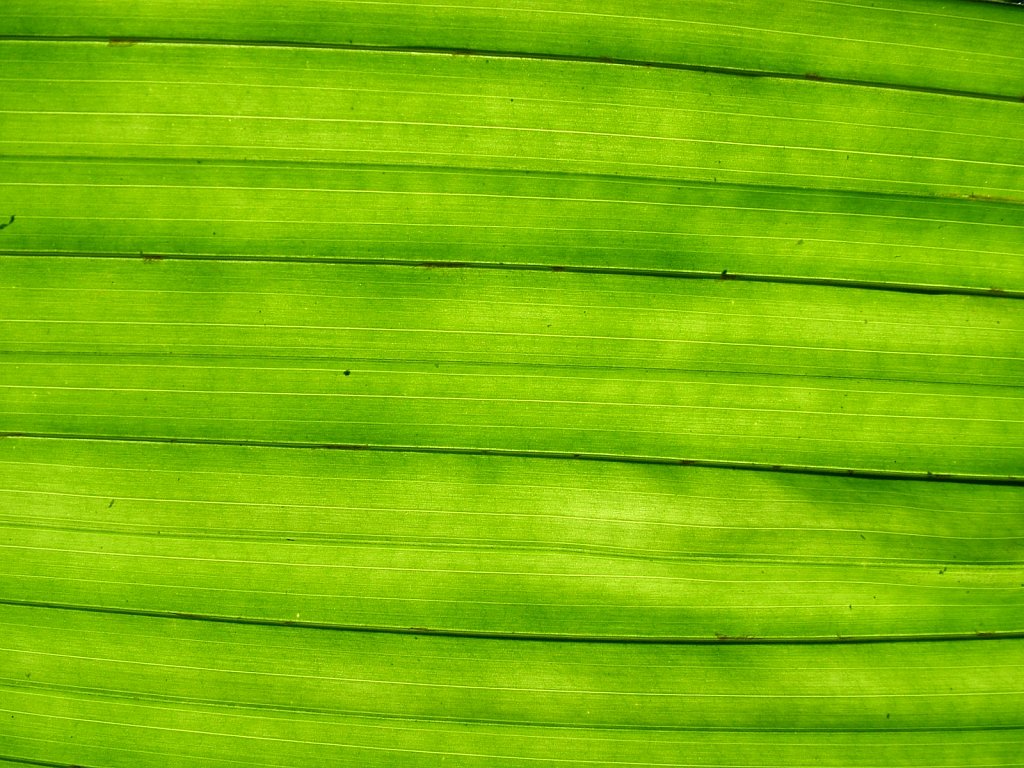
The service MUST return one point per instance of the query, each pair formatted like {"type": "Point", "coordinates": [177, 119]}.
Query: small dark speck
{"type": "Point", "coordinates": [799, 242]}
{"type": "Point", "coordinates": [886, 715]}
{"type": "Point", "coordinates": [110, 504]}
{"type": "Point", "coordinates": [348, 372]}
{"type": "Point", "coordinates": [862, 536]}
{"type": "Point", "coordinates": [8, 222]}
{"type": "Point", "coordinates": [942, 570]}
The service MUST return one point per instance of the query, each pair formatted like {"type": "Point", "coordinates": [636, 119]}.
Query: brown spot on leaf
{"type": "Point", "coordinates": [995, 199]}
{"type": "Point", "coordinates": [441, 264]}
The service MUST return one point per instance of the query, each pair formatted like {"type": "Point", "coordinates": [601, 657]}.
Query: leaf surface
{"type": "Point", "coordinates": [511, 384]}
{"type": "Point", "coordinates": [330, 698]}
{"type": "Point", "coordinates": [500, 546]}
{"type": "Point", "coordinates": [930, 44]}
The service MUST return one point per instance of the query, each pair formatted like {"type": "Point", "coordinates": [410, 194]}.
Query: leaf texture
{"type": "Point", "coordinates": [502, 384]}
{"type": "Point", "coordinates": [227, 102]}
{"type": "Point", "coordinates": [331, 698]}
{"type": "Point", "coordinates": [963, 46]}
{"type": "Point", "coordinates": [537, 362]}
{"type": "Point", "coordinates": [500, 546]}
{"type": "Point", "coordinates": [401, 215]}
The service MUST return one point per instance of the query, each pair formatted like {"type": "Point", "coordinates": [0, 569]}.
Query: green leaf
{"type": "Point", "coordinates": [713, 371]}
{"type": "Point", "coordinates": [964, 46]}
{"type": "Point", "coordinates": [378, 108]}
{"type": "Point", "coordinates": [346, 698]}
{"type": "Point", "coordinates": [502, 546]}
{"type": "Point", "coordinates": [412, 216]}
{"type": "Point", "coordinates": [502, 384]}
{"type": "Point", "coordinates": [504, 161]}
